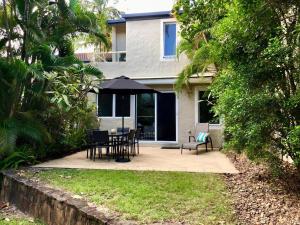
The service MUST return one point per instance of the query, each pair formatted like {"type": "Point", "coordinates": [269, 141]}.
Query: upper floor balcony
{"type": "Point", "coordinates": [140, 48]}
{"type": "Point", "coordinates": [102, 57]}
{"type": "Point", "coordinates": [118, 56]}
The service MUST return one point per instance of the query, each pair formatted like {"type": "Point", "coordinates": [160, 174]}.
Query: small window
{"type": "Point", "coordinates": [205, 113]}
{"type": "Point", "coordinates": [105, 105]}
{"type": "Point", "coordinates": [122, 106]}
{"type": "Point", "coordinates": [169, 40]}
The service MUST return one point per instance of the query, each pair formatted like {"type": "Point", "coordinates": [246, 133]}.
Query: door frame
{"type": "Point", "coordinates": [155, 120]}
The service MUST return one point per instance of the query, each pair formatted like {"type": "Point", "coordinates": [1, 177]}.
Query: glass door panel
{"type": "Point", "coordinates": [145, 116]}
{"type": "Point", "coordinates": [166, 117]}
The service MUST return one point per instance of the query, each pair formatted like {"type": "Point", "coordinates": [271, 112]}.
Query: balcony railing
{"type": "Point", "coordinates": [119, 56]}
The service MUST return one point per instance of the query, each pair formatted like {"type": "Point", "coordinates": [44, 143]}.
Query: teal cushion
{"type": "Point", "coordinates": [201, 137]}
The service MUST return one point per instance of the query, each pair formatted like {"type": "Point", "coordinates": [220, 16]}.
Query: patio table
{"type": "Point", "coordinates": [118, 140]}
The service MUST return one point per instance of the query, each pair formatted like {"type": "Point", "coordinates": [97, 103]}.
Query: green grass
{"type": "Point", "coordinates": [17, 222]}
{"type": "Point", "coordinates": [150, 196]}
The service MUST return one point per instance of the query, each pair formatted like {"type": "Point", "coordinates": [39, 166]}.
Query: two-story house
{"type": "Point", "coordinates": [144, 49]}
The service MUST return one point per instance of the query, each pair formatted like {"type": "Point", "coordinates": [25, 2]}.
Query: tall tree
{"type": "Point", "coordinates": [255, 47]}
{"type": "Point", "coordinates": [103, 12]}
{"type": "Point", "coordinates": [41, 79]}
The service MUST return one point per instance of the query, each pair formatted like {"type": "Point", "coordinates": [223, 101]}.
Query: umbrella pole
{"type": "Point", "coordinates": [123, 124]}
{"type": "Point", "coordinates": [123, 106]}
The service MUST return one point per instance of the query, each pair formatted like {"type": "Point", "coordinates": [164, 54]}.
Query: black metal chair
{"type": "Point", "coordinates": [101, 140]}
{"type": "Point", "coordinates": [89, 143]}
{"type": "Point", "coordinates": [126, 130]}
{"type": "Point", "coordinates": [123, 146]}
{"type": "Point", "coordinates": [131, 145]}
{"type": "Point", "coordinates": [137, 138]}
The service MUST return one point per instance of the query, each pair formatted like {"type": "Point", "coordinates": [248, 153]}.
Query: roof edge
{"type": "Point", "coordinates": [147, 15]}
{"type": "Point", "coordinates": [141, 16]}
{"type": "Point", "coordinates": [116, 21]}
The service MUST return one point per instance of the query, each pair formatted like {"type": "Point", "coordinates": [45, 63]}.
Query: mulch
{"type": "Point", "coordinates": [259, 198]}
{"type": "Point", "coordinates": [8, 212]}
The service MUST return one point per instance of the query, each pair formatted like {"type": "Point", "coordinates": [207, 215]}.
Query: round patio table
{"type": "Point", "coordinates": [118, 141]}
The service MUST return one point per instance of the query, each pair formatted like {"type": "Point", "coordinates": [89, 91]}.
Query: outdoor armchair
{"type": "Point", "coordinates": [194, 143]}
{"type": "Point", "coordinates": [89, 143]}
{"type": "Point", "coordinates": [137, 138]}
{"type": "Point", "coordinates": [101, 140]}
{"type": "Point", "coordinates": [131, 146]}
{"type": "Point", "coordinates": [120, 130]}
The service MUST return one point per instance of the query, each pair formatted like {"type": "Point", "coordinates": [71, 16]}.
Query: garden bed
{"type": "Point", "coordinates": [260, 198]}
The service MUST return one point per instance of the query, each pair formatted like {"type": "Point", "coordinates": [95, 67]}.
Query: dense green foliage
{"type": "Point", "coordinates": [148, 196]}
{"type": "Point", "coordinates": [103, 12]}
{"type": "Point", "coordinates": [44, 108]}
{"type": "Point", "coordinates": [254, 46]}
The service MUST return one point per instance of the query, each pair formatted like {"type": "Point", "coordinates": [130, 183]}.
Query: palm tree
{"type": "Point", "coordinates": [37, 40]}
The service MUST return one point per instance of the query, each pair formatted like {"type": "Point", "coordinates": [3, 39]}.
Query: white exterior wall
{"type": "Point", "coordinates": [186, 115]}
{"type": "Point", "coordinates": [143, 60]}
{"type": "Point", "coordinates": [120, 38]}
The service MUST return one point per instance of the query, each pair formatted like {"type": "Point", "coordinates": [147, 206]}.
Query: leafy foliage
{"type": "Point", "coordinates": [293, 141]}
{"type": "Point", "coordinates": [43, 86]}
{"type": "Point", "coordinates": [103, 12]}
{"type": "Point", "coordinates": [254, 46]}
{"type": "Point", "coordinates": [17, 158]}
{"type": "Point", "coordinates": [15, 121]}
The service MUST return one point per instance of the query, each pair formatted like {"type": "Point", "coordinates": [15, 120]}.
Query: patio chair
{"type": "Point", "coordinates": [131, 145]}
{"type": "Point", "coordinates": [137, 138]}
{"type": "Point", "coordinates": [101, 140]}
{"type": "Point", "coordinates": [194, 142]}
{"type": "Point", "coordinates": [124, 146]}
{"type": "Point", "coordinates": [89, 146]}
{"type": "Point", "coordinates": [126, 130]}
{"type": "Point", "coordinates": [89, 143]}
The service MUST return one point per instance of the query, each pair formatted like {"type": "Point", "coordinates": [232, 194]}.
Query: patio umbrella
{"type": "Point", "coordinates": [124, 86]}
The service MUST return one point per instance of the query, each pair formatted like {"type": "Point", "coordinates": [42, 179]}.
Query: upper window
{"type": "Point", "coordinates": [205, 113]}
{"type": "Point", "coordinates": [169, 40]}
{"type": "Point", "coordinates": [110, 105]}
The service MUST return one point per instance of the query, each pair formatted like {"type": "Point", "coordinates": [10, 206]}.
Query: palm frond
{"type": "Point", "coordinates": [90, 70]}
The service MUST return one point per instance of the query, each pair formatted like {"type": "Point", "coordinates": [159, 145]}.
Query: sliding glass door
{"type": "Point", "coordinates": [145, 116]}
{"type": "Point", "coordinates": [166, 117]}
{"type": "Point", "coordinates": [156, 116]}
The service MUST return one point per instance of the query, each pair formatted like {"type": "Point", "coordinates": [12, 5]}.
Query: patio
{"type": "Point", "coordinates": [152, 158]}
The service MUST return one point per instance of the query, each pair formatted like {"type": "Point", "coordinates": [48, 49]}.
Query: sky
{"type": "Point", "coordinates": [138, 6]}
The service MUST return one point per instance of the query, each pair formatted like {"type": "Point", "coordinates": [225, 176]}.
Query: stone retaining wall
{"type": "Point", "coordinates": [51, 206]}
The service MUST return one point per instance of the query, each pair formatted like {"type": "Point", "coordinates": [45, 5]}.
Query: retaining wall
{"type": "Point", "coordinates": [52, 206]}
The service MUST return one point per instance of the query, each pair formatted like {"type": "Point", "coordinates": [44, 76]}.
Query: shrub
{"type": "Point", "coordinates": [23, 156]}
{"type": "Point", "coordinates": [293, 141]}
{"type": "Point", "coordinates": [257, 74]}
{"type": "Point", "coordinates": [271, 159]}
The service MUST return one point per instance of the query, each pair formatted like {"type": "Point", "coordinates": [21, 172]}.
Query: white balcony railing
{"type": "Point", "coordinates": [118, 56]}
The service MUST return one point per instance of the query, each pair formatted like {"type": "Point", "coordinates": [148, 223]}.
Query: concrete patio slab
{"type": "Point", "coordinates": [152, 158]}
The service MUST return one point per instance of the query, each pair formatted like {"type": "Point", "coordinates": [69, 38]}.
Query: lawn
{"type": "Point", "coordinates": [17, 222]}
{"type": "Point", "coordinates": [148, 196]}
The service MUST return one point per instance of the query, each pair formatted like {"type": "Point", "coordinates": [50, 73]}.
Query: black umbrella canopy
{"type": "Point", "coordinates": [124, 86]}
